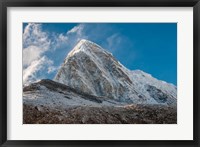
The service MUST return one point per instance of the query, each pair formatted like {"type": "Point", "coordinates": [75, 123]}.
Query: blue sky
{"type": "Point", "coordinates": [151, 47]}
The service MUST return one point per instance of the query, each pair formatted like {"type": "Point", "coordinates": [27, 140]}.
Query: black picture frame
{"type": "Point", "coordinates": [4, 4]}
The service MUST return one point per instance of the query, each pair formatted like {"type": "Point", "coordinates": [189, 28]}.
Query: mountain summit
{"type": "Point", "coordinates": [92, 70]}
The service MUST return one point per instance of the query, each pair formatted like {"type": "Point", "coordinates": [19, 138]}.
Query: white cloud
{"type": "Point", "coordinates": [70, 38]}
{"type": "Point", "coordinates": [62, 38]}
{"type": "Point", "coordinates": [113, 41]}
{"type": "Point", "coordinates": [30, 73]}
{"type": "Point", "coordinates": [77, 30]}
{"type": "Point", "coordinates": [59, 41]}
{"type": "Point", "coordinates": [75, 34]}
{"type": "Point", "coordinates": [34, 36]}
{"type": "Point", "coordinates": [30, 54]}
{"type": "Point", "coordinates": [52, 69]}
{"type": "Point", "coordinates": [35, 43]}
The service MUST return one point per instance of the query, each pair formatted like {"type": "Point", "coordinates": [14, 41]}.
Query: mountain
{"type": "Point", "coordinates": [91, 69]}
{"type": "Point", "coordinates": [91, 86]}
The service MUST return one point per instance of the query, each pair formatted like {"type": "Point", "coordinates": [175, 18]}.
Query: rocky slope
{"type": "Point", "coordinates": [131, 114]}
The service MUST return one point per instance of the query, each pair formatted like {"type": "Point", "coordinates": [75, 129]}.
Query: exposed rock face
{"type": "Point", "coordinates": [92, 70]}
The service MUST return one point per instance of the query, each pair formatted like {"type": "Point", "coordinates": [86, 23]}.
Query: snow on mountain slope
{"type": "Point", "coordinates": [158, 90]}
{"type": "Point", "coordinates": [91, 69]}
{"type": "Point", "coordinates": [48, 93]}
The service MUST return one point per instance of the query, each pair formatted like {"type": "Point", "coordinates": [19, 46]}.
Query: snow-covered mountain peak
{"type": "Point", "coordinates": [91, 69]}
{"type": "Point", "coordinates": [85, 46]}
